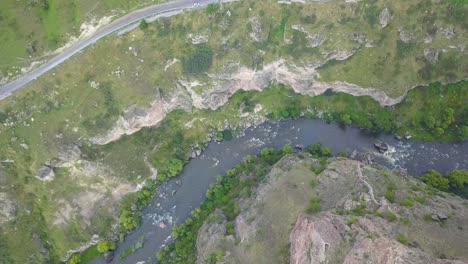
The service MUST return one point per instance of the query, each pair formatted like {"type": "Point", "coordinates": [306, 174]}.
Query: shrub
{"type": "Point", "coordinates": [143, 24]}
{"type": "Point", "coordinates": [75, 259]}
{"type": "Point", "coordinates": [352, 220]}
{"type": "Point", "coordinates": [315, 150]}
{"type": "Point", "coordinates": [390, 195]}
{"type": "Point", "coordinates": [314, 206]}
{"type": "Point", "coordinates": [402, 239]}
{"type": "Point", "coordinates": [427, 217]}
{"type": "Point", "coordinates": [407, 202]}
{"type": "Point", "coordinates": [405, 220]}
{"type": "Point", "coordinates": [342, 154]}
{"type": "Point", "coordinates": [420, 199]}
{"type": "Point", "coordinates": [390, 216]}
{"type": "Point", "coordinates": [313, 183]}
{"type": "Point", "coordinates": [230, 228]}
{"type": "Point", "coordinates": [212, 8]}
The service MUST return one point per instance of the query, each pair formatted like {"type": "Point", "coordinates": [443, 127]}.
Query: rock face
{"type": "Point", "coordinates": [314, 239]}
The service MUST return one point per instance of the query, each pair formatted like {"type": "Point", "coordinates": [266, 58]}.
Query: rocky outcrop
{"type": "Point", "coordinates": [384, 17]}
{"type": "Point", "coordinates": [314, 39]}
{"type": "Point", "coordinates": [406, 36]}
{"type": "Point", "coordinates": [214, 231]}
{"type": "Point", "coordinates": [431, 55]}
{"type": "Point", "coordinates": [315, 239]}
{"type": "Point", "coordinates": [7, 208]}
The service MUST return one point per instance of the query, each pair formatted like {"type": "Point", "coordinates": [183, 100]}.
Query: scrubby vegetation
{"type": "Point", "coordinates": [455, 181]}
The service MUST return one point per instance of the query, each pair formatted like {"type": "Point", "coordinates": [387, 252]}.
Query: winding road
{"type": "Point", "coordinates": [9, 88]}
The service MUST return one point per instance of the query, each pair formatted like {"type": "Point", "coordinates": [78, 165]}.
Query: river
{"type": "Point", "coordinates": [174, 202]}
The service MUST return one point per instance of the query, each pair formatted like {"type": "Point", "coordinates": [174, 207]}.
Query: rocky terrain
{"type": "Point", "coordinates": [348, 213]}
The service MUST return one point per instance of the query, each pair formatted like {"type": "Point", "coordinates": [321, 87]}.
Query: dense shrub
{"type": "Point", "coordinates": [199, 61]}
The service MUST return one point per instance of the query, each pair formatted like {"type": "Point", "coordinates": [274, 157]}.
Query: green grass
{"type": "Point", "coordinates": [89, 254]}
{"type": "Point", "coordinates": [48, 24]}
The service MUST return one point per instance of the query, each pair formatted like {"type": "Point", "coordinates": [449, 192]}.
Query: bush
{"type": "Point", "coordinates": [315, 150]}
{"type": "Point", "coordinates": [390, 216]}
{"type": "Point", "coordinates": [390, 195]}
{"type": "Point", "coordinates": [421, 199]}
{"type": "Point", "coordinates": [104, 246]}
{"type": "Point", "coordinates": [407, 202]}
{"type": "Point", "coordinates": [230, 228]}
{"type": "Point", "coordinates": [351, 221]}
{"type": "Point", "coordinates": [342, 154]}
{"type": "Point", "coordinates": [314, 206]}
{"type": "Point", "coordinates": [212, 8]}
{"type": "Point", "coordinates": [427, 217]}
{"type": "Point", "coordinates": [402, 239]}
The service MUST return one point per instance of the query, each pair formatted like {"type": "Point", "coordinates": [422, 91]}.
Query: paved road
{"type": "Point", "coordinates": [9, 88]}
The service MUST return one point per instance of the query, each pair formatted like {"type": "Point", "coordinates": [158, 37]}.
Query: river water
{"type": "Point", "coordinates": [174, 202]}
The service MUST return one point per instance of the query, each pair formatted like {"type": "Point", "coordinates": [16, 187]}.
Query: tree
{"type": "Point", "coordinates": [104, 246]}
{"type": "Point", "coordinates": [143, 24]}
{"type": "Point", "coordinates": [346, 119]}
{"type": "Point", "coordinates": [287, 149]}
{"type": "Point", "coordinates": [436, 180]}
{"type": "Point", "coordinates": [175, 166]}
{"type": "Point", "coordinates": [429, 121]}
{"type": "Point", "coordinates": [457, 178]}
{"type": "Point", "coordinates": [439, 131]}
{"type": "Point", "coordinates": [327, 152]}
{"type": "Point", "coordinates": [449, 117]}
{"type": "Point", "coordinates": [129, 220]}
{"type": "Point", "coordinates": [199, 60]}
{"type": "Point", "coordinates": [75, 259]}
{"type": "Point", "coordinates": [315, 150]}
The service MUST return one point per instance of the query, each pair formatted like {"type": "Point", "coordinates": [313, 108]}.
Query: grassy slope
{"type": "Point", "coordinates": [393, 63]}
{"type": "Point", "coordinates": [63, 100]}
{"type": "Point", "coordinates": [48, 24]}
